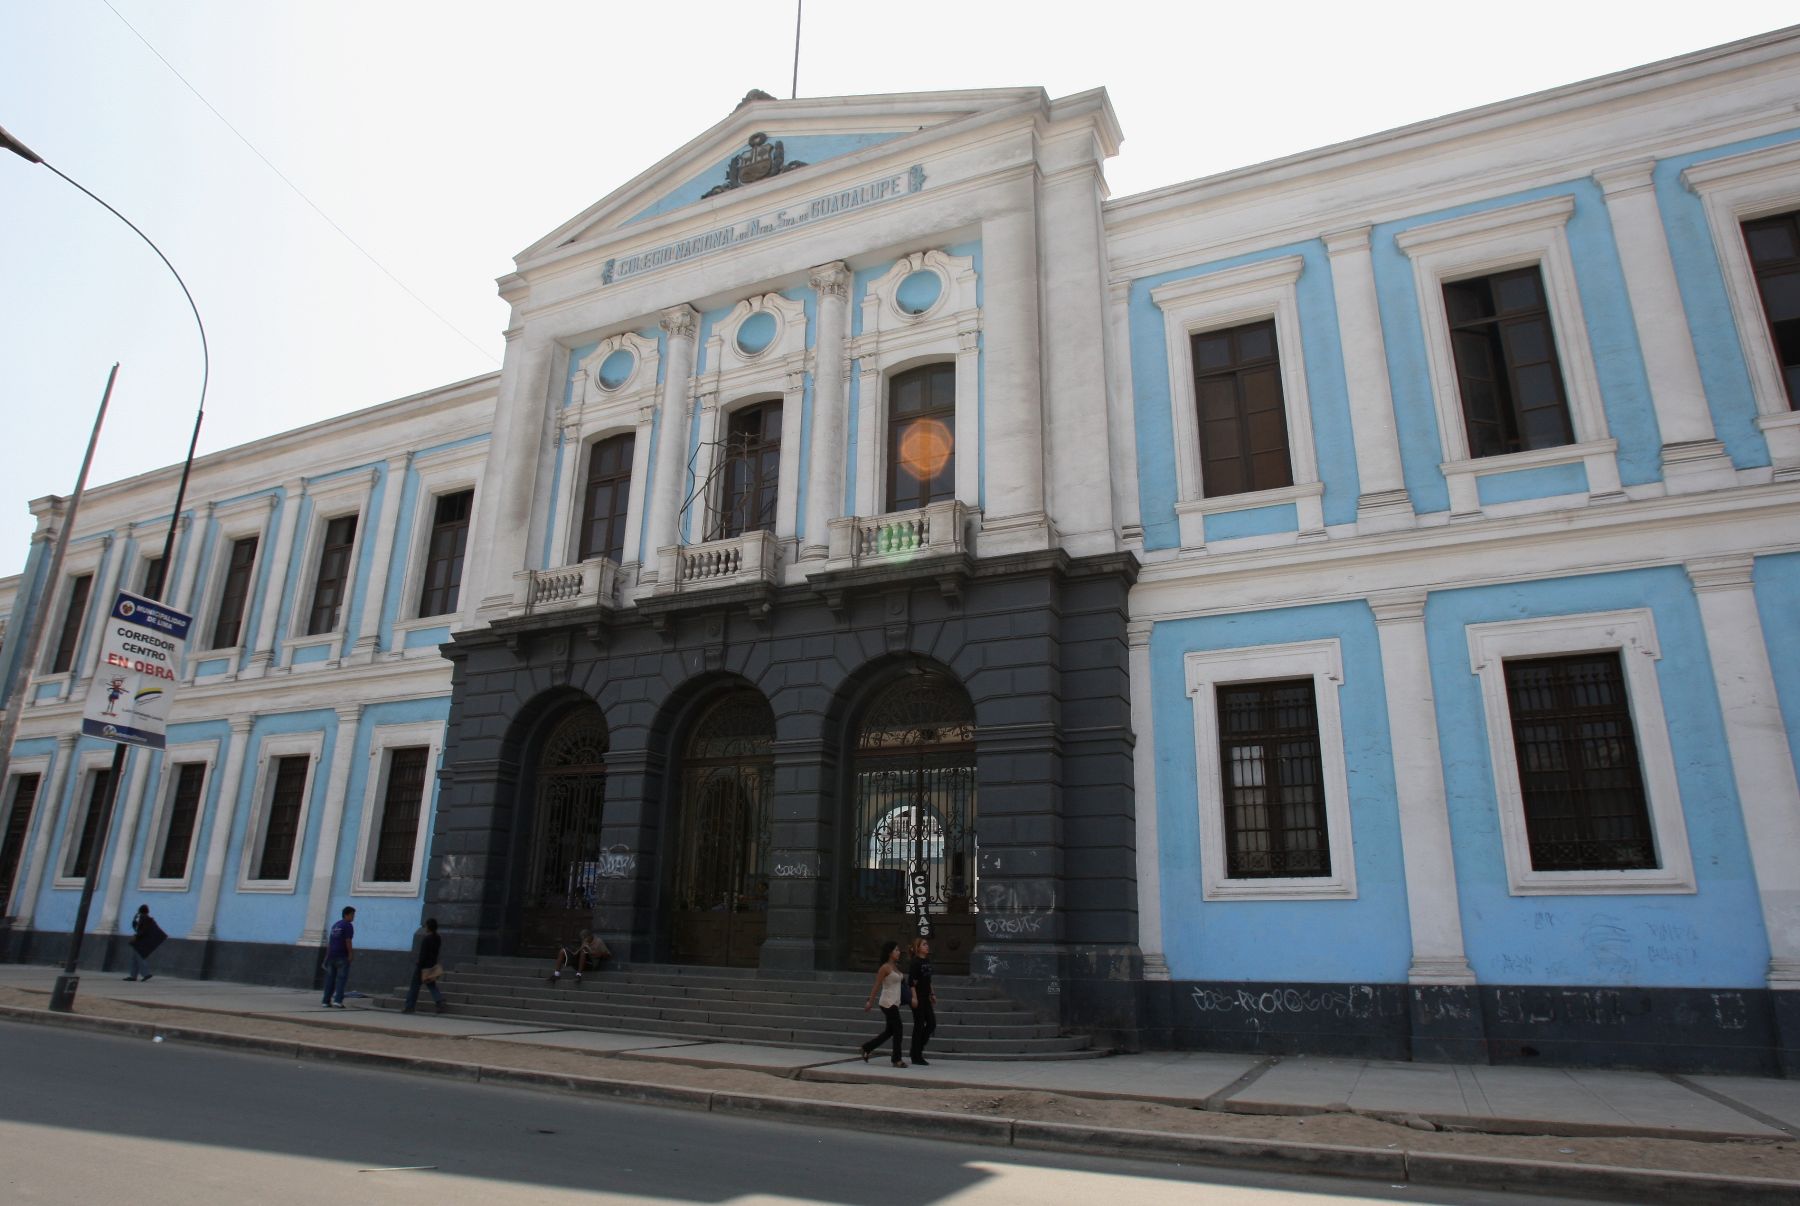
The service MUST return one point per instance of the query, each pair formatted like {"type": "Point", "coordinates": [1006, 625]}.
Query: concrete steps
{"type": "Point", "coordinates": [738, 1005]}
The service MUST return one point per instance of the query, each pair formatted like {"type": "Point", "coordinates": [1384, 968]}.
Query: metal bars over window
{"type": "Point", "coordinates": [18, 824]}
{"type": "Point", "coordinates": [75, 862]}
{"type": "Point", "coordinates": [752, 471]}
{"type": "Point", "coordinates": [1585, 807]}
{"type": "Point", "coordinates": [401, 806]}
{"type": "Point", "coordinates": [184, 807]}
{"type": "Point", "coordinates": [1507, 370]}
{"type": "Point", "coordinates": [1273, 781]}
{"type": "Point", "coordinates": [281, 831]}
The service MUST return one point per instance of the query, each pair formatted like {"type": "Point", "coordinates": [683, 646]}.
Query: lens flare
{"type": "Point", "coordinates": [925, 448]}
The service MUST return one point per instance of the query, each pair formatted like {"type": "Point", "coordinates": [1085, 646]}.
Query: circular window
{"type": "Point", "coordinates": [919, 292]}
{"type": "Point", "coordinates": [615, 370]}
{"type": "Point", "coordinates": [756, 333]}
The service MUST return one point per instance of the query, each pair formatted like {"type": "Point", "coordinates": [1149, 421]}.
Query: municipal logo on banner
{"type": "Point", "coordinates": [140, 660]}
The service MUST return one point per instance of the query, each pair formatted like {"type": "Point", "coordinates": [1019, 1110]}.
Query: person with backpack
{"type": "Point", "coordinates": [146, 936]}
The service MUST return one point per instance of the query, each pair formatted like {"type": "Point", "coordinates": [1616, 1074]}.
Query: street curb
{"type": "Point", "coordinates": [1267, 1155]}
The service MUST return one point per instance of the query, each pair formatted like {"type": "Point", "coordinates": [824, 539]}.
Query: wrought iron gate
{"type": "Point", "coordinates": [721, 883]}
{"type": "Point", "coordinates": [564, 866]}
{"type": "Point", "coordinates": [913, 859]}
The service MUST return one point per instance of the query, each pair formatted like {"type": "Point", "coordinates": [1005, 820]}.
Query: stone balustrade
{"type": "Point", "coordinates": [732, 561]}
{"type": "Point", "coordinates": [864, 540]}
{"type": "Point", "coordinates": [588, 583]}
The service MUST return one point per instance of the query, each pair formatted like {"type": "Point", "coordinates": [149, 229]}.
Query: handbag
{"type": "Point", "coordinates": [432, 974]}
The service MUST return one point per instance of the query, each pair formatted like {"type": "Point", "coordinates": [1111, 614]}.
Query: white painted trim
{"type": "Point", "coordinates": [1322, 662]}
{"type": "Point", "coordinates": [383, 738]}
{"type": "Point", "coordinates": [255, 832]}
{"type": "Point", "coordinates": [599, 414]}
{"type": "Point", "coordinates": [89, 764]}
{"type": "Point", "coordinates": [207, 754]}
{"type": "Point", "coordinates": [335, 500]}
{"type": "Point", "coordinates": [1533, 234]}
{"type": "Point", "coordinates": [449, 472]}
{"type": "Point", "coordinates": [1632, 634]}
{"type": "Point", "coordinates": [1733, 190]}
{"type": "Point", "coordinates": [39, 765]}
{"type": "Point", "coordinates": [231, 522]}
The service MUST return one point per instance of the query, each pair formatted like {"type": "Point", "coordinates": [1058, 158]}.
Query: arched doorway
{"type": "Point", "coordinates": [720, 890]}
{"type": "Point", "coordinates": [563, 856]}
{"type": "Point", "coordinates": [912, 855]}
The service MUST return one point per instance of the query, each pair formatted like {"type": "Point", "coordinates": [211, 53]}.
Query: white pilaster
{"type": "Point", "coordinates": [368, 627]}
{"type": "Point", "coordinates": [516, 451]}
{"type": "Point", "coordinates": [1383, 504]}
{"type": "Point", "coordinates": [212, 879]}
{"type": "Point", "coordinates": [129, 807]}
{"type": "Point", "coordinates": [1013, 518]}
{"type": "Point", "coordinates": [1433, 907]}
{"type": "Point", "coordinates": [268, 619]}
{"type": "Point", "coordinates": [1692, 456]}
{"type": "Point", "coordinates": [1143, 757]}
{"type": "Point", "coordinates": [193, 539]}
{"type": "Point", "coordinates": [680, 325]}
{"type": "Point", "coordinates": [49, 815]}
{"type": "Point", "coordinates": [324, 867]}
{"type": "Point", "coordinates": [826, 457]}
{"type": "Point", "coordinates": [1761, 764]}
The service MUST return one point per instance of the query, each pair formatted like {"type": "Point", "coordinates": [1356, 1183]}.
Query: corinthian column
{"type": "Point", "coordinates": [679, 324]}
{"type": "Point", "coordinates": [825, 459]}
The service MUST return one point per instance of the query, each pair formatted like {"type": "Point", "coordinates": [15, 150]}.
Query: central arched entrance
{"type": "Point", "coordinates": [720, 891]}
{"type": "Point", "coordinates": [563, 857]}
{"type": "Point", "coordinates": [912, 855]}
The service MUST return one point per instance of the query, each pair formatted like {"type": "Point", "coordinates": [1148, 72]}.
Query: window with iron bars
{"type": "Point", "coordinates": [1273, 781]}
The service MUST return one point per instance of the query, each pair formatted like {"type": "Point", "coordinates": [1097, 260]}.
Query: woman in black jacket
{"type": "Point", "coordinates": [146, 936]}
{"type": "Point", "coordinates": [429, 949]}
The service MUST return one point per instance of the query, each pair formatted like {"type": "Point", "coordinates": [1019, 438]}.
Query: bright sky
{"type": "Point", "coordinates": [444, 137]}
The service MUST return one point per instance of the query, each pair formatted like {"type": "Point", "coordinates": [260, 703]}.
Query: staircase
{"type": "Point", "coordinates": [738, 1005]}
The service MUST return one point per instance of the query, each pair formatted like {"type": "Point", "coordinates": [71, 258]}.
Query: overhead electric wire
{"type": "Point", "coordinates": [298, 192]}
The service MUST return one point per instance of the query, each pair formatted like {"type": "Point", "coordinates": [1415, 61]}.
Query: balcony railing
{"type": "Point", "coordinates": [858, 540]}
{"type": "Point", "coordinates": [733, 561]}
{"type": "Point", "coordinates": [566, 588]}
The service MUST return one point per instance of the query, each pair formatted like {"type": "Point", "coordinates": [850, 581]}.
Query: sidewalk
{"type": "Point", "coordinates": [1302, 1111]}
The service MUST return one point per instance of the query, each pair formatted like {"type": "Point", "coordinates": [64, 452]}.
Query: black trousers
{"type": "Point", "coordinates": [924, 1026]}
{"type": "Point", "coordinates": [892, 1014]}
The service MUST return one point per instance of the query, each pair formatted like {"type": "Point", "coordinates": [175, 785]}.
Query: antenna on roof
{"type": "Point", "coordinates": [794, 92]}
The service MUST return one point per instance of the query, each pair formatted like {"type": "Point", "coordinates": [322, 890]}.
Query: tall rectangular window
{"type": "Point", "coordinates": [921, 451]}
{"type": "Point", "coordinates": [606, 497]}
{"type": "Point", "coordinates": [75, 859]}
{"type": "Point", "coordinates": [444, 553]}
{"type": "Point", "coordinates": [184, 810]}
{"type": "Point", "coordinates": [1273, 781]}
{"type": "Point", "coordinates": [18, 824]}
{"type": "Point", "coordinates": [401, 807]}
{"type": "Point", "coordinates": [1241, 414]}
{"type": "Point", "coordinates": [234, 595]}
{"type": "Point", "coordinates": [752, 471]}
{"type": "Point", "coordinates": [281, 828]}
{"type": "Point", "coordinates": [69, 636]}
{"type": "Point", "coordinates": [1583, 787]}
{"type": "Point", "coordinates": [1774, 246]}
{"type": "Point", "coordinates": [1507, 370]}
{"type": "Point", "coordinates": [333, 580]}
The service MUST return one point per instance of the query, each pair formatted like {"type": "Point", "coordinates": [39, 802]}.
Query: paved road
{"type": "Point", "coordinates": [95, 1119]}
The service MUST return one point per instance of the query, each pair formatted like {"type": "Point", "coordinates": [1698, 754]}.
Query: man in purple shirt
{"type": "Point", "coordinates": [340, 948]}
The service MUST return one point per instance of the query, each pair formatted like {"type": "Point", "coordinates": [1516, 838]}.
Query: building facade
{"type": "Point", "coordinates": [1342, 605]}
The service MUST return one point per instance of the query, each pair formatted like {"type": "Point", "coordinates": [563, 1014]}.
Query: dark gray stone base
{"type": "Point", "coordinates": [241, 962]}
{"type": "Point", "coordinates": [1446, 1024]}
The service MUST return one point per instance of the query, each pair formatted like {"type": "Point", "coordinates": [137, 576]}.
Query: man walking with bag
{"type": "Point", "coordinates": [427, 970]}
{"type": "Point", "coordinates": [146, 936]}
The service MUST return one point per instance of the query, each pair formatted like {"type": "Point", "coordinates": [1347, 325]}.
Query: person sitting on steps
{"type": "Point", "coordinates": [586, 953]}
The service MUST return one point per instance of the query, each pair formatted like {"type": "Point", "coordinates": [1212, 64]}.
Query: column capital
{"type": "Point", "coordinates": [1137, 632]}
{"type": "Point", "coordinates": [349, 713]}
{"type": "Point", "coordinates": [1733, 572]}
{"type": "Point", "coordinates": [1399, 606]}
{"type": "Point", "coordinates": [1345, 242]}
{"type": "Point", "coordinates": [680, 322]}
{"type": "Point", "coordinates": [241, 725]}
{"type": "Point", "coordinates": [1624, 179]}
{"type": "Point", "coordinates": [831, 280]}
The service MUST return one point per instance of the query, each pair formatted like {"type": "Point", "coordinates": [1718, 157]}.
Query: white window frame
{"type": "Point", "coordinates": [450, 472]}
{"type": "Point", "coordinates": [89, 764]}
{"type": "Point", "coordinates": [383, 738]}
{"type": "Point", "coordinates": [39, 765]}
{"type": "Point", "coordinates": [256, 833]}
{"type": "Point", "coordinates": [90, 561]}
{"type": "Point", "coordinates": [233, 521]}
{"type": "Point", "coordinates": [894, 341]}
{"type": "Point", "coordinates": [206, 753]}
{"type": "Point", "coordinates": [1216, 301]}
{"type": "Point", "coordinates": [1734, 190]}
{"type": "Point", "coordinates": [337, 499]}
{"type": "Point", "coordinates": [1530, 235]}
{"type": "Point", "coordinates": [1632, 635]}
{"type": "Point", "coordinates": [1322, 662]}
{"type": "Point", "coordinates": [149, 540]}
{"type": "Point", "coordinates": [598, 413]}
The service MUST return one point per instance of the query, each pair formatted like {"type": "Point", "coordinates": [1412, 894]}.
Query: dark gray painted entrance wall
{"type": "Point", "coordinates": [1038, 641]}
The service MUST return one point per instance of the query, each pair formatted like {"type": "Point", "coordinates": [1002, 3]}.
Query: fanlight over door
{"type": "Point", "coordinates": [720, 904]}
{"type": "Point", "coordinates": [913, 851]}
{"type": "Point", "coordinates": [564, 860]}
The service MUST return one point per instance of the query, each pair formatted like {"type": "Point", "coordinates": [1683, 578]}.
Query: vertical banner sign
{"type": "Point", "coordinates": [919, 899]}
{"type": "Point", "coordinates": [140, 659]}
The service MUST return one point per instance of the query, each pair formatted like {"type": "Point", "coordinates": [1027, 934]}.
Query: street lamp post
{"type": "Point", "coordinates": [62, 996]}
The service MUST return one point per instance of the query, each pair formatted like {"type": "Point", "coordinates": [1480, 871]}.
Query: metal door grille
{"type": "Point", "coordinates": [571, 798]}
{"type": "Point", "coordinates": [727, 779]}
{"type": "Point", "coordinates": [1578, 764]}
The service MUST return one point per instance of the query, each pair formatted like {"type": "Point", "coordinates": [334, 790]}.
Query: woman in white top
{"type": "Point", "coordinates": [889, 980]}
